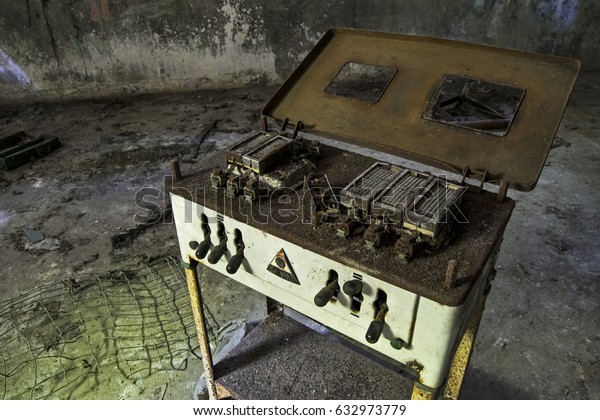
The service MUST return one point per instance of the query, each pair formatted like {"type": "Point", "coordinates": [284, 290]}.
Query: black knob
{"type": "Point", "coordinates": [352, 287]}
{"type": "Point", "coordinates": [217, 252]}
{"type": "Point", "coordinates": [374, 331]}
{"type": "Point", "coordinates": [376, 327]}
{"type": "Point", "coordinates": [202, 248]}
{"type": "Point", "coordinates": [235, 262]}
{"type": "Point", "coordinates": [193, 244]}
{"type": "Point", "coordinates": [325, 294]}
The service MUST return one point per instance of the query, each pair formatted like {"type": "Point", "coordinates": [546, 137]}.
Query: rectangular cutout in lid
{"type": "Point", "coordinates": [364, 82]}
{"type": "Point", "coordinates": [395, 121]}
{"type": "Point", "coordinates": [478, 105]}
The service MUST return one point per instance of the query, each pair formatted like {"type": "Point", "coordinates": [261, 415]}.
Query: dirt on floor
{"type": "Point", "coordinates": [539, 337]}
{"type": "Point", "coordinates": [82, 199]}
{"type": "Point", "coordinates": [113, 153]}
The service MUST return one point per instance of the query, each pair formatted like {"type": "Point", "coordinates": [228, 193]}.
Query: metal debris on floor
{"type": "Point", "coordinates": [33, 235]}
{"type": "Point", "coordinates": [99, 336]}
{"type": "Point", "coordinates": [14, 152]}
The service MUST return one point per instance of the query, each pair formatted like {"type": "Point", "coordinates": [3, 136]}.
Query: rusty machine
{"type": "Point", "coordinates": [395, 254]}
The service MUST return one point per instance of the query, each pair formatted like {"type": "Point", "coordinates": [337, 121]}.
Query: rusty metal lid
{"type": "Point", "coordinates": [448, 104]}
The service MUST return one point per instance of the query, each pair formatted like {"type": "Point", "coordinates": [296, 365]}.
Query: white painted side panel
{"type": "Point", "coordinates": [431, 330]}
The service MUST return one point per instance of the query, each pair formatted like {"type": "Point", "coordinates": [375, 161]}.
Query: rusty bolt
{"type": "Point", "coordinates": [451, 274]}
{"type": "Point", "coordinates": [176, 169]}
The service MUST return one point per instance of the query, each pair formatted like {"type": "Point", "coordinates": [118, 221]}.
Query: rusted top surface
{"type": "Point", "coordinates": [472, 246]}
{"type": "Point", "coordinates": [395, 123]}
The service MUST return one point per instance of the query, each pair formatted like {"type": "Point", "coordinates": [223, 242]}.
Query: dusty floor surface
{"type": "Point", "coordinates": [84, 196]}
{"type": "Point", "coordinates": [540, 334]}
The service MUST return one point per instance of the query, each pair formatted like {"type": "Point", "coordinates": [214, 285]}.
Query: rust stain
{"type": "Point", "coordinates": [95, 13]}
{"type": "Point", "coordinates": [414, 364]}
{"type": "Point", "coordinates": [105, 11]}
{"type": "Point", "coordinates": [100, 14]}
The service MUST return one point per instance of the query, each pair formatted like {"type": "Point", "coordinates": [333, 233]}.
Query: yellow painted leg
{"type": "Point", "coordinates": [191, 276]}
{"type": "Point", "coordinates": [226, 394]}
{"type": "Point", "coordinates": [458, 368]}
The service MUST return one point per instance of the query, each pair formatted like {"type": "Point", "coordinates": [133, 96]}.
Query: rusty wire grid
{"type": "Point", "coordinates": [61, 339]}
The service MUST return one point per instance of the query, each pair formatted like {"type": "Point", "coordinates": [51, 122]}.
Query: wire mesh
{"type": "Point", "coordinates": [60, 338]}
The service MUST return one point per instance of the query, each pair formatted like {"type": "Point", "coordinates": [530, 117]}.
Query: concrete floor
{"type": "Point", "coordinates": [540, 334]}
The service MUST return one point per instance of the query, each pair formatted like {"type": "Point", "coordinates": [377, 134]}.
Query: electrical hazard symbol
{"type": "Point", "coordinates": [280, 266]}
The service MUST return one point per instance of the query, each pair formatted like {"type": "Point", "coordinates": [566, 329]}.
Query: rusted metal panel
{"type": "Point", "coordinates": [396, 121]}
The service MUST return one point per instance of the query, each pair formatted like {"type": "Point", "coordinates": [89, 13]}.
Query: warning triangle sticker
{"type": "Point", "coordinates": [280, 266]}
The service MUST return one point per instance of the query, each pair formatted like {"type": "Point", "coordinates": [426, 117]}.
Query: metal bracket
{"type": "Point", "coordinates": [299, 127]}
{"type": "Point", "coordinates": [481, 176]}
{"type": "Point", "coordinates": [502, 190]}
{"type": "Point", "coordinates": [284, 125]}
{"type": "Point", "coordinates": [19, 154]}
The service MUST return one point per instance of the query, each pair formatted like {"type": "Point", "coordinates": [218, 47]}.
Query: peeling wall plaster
{"type": "Point", "coordinates": [102, 47]}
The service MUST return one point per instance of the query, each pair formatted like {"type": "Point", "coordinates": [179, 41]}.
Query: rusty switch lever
{"type": "Point", "coordinates": [218, 251]}
{"type": "Point", "coordinates": [236, 260]}
{"type": "Point", "coordinates": [203, 247]}
{"type": "Point", "coordinates": [376, 327]}
{"type": "Point", "coordinates": [326, 293]}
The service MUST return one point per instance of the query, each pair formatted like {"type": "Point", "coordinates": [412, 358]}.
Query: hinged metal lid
{"type": "Point", "coordinates": [447, 104]}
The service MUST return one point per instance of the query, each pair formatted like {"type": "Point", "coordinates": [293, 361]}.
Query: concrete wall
{"type": "Point", "coordinates": [98, 47]}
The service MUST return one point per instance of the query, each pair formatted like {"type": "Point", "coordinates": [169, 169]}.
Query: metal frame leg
{"type": "Point", "coordinates": [191, 276]}
{"type": "Point", "coordinates": [421, 392]}
{"type": "Point", "coordinates": [460, 362]}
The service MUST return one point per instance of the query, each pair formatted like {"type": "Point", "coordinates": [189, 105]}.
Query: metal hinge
{"type": "Point", "coordinates": [285, 127]}
{"type": "Point", "coordinates": [482, 177]}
